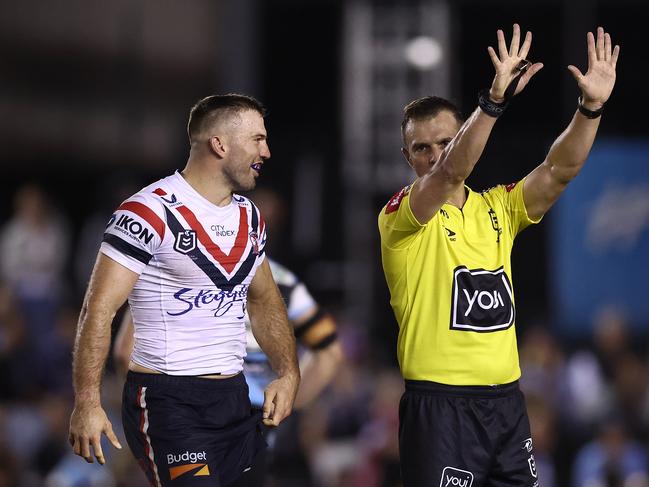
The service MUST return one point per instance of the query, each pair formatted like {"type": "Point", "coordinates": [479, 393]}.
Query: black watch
{"type": "Point", "coordinates": [586, 112]}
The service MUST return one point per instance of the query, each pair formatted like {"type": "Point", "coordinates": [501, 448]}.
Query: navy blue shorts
{"type": "Point", "coordinates": [190, 431]}
{"type": "Point", "coordinates": [465, 436]}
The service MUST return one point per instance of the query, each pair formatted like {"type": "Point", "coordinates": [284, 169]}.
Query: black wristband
{"type": "Point", "coordinates": [586, 112]}
{"type": "Point", "coordinates": [490, 107]}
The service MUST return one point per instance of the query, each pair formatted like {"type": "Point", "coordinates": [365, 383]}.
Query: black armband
{"type": "Point", "coordinates": [490, 107]}
{"type": "Point", "coordinates": [302, 329]}
{"type": "Point", "coordinates": [494, 109]}
{"type": "Point", "coordinates": [586, 112]}
{"type": "Point", "coordinates": [325, 342]}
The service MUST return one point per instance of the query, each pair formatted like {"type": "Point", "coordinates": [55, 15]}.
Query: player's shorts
{"type": "Point", "coordinates": [190, 431]}
{"type": "Point", "coordinates": [465, 436]}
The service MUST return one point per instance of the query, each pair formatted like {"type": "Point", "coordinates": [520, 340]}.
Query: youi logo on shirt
{"type": "Point", "coordinates": [481, 300]}
{"type": "Point", "coordinates": [454, 477]}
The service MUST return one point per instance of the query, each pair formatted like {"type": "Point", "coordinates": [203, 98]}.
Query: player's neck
{"type": "Point", "coordinates": [458, 198]}
{"type": "Point", "coordinates": [206, 183]}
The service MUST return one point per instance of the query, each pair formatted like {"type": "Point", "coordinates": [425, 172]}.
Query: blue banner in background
{"type": "Point", "coordinates": [599, 250]}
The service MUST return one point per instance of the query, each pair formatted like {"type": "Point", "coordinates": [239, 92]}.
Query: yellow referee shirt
{"type": "Point", "coordinates": [451, 288]}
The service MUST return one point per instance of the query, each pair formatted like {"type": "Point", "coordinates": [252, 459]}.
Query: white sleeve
{"type": "Point", "coordinates": [134, 232]}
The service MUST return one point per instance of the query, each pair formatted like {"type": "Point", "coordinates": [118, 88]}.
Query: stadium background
{"type": "Point", "coordinates": [93, 104]}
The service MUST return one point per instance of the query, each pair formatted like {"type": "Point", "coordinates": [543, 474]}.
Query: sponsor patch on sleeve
{"type": "Point", "coordinates": [395, 201]}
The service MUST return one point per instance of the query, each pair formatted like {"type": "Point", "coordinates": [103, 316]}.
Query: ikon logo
{"type": "Point", "coordinates": [454, 477]}
{"type": "Point", "coordinates": [481, 300]}
{"type": "Point", "coordinates": [185, 241]}
{"type": "Point", "coordinates": [134, 227]}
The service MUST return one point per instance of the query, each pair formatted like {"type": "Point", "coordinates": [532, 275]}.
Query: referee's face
{"type": "Point", "coordinates": [426, 138]}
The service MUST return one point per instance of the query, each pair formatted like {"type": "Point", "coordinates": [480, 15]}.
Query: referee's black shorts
{"type": "Point", "coordinates": [190, 431]}
{"type": "Point", "coordinates": [465, 436]}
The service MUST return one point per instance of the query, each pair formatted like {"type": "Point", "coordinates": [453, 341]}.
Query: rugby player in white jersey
{"type": "Point", "coordinates": [321, 357]}
{"type": "Point", "coordinates": [188, 254]}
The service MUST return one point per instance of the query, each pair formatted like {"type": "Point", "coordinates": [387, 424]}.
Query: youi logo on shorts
{"type": "Point", "coordinates": [192, 465]}
{"type": "Point", "coordinates": [454, 477]}
{"type": "Point", "coordinates": [482, 300]}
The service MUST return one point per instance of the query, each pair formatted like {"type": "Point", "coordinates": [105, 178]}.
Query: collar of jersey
{"type": "Point", "coordinates": [179, 179]}
{"type": "Point", "coordinates": [469, 201]}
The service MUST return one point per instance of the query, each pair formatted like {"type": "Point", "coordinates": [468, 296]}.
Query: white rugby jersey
{"type": "Point", "coordinates": [196, 261]}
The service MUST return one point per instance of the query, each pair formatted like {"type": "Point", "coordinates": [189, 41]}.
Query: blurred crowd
{"type": "Point", "coordinates": [588, 404]}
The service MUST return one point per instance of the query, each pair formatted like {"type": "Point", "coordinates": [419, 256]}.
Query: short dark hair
{"type": "Point", "coordinates": [209, 109]}
{"type": "Point", "coordinates": [428, 107]}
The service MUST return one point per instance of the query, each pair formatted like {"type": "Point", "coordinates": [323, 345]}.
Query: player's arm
{"type": "Point", "coordinates": [570, 150]}
{"type": "Point", "coordinates": [272, 331]}
{"type": "Point", "coordinates": [462, 153]}
{"type": "Point", "coordinates": [317, 331]}
{"type": "Point", "coordinates": [124, 341]}
{"type": "Point", "coordinates": [109, 287]}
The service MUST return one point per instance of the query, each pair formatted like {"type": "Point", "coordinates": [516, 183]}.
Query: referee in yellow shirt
{"type": "Point", "coordinates": [446, 257]}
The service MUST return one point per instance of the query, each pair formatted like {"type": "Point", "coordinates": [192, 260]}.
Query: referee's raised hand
{"type": "Point", "coordinates": [597, 84]}
{"type": "Point", "coordinates": [509, 63]}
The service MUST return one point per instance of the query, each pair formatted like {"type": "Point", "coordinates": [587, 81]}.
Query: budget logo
{"type": "Point", "coordinates": [185, 241]}
{"type": "Point", "coordinates": [482, 300]}
{"type": "Point", "coordinates": [454, 477]}
{"type": "Point", "coordinates": [198, 469]}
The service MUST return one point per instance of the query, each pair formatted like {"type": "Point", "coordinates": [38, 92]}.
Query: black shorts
{"type": "Point", "coordinates": [190, 430]}
{"type": "Point", "coordinates": [465, 436]}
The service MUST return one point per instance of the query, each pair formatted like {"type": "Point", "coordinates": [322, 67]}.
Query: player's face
{"type": "Point", "coordinates": [249, 151]}
{"type": "Point", "coordinates": [426, 139]}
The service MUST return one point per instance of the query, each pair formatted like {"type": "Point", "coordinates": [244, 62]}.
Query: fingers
{"type": "Point", "coordinates": [112, 438]}
{"type": "Point", "coordinates": [96, 447]}
{"type": "Point", "coordinates": [515, 48]}
{"type": "Point", "coordinates": [614, 56]}
{"type": "Point", "coordinates": [607, 46]}
{"type": "Point", "coordinates": [278, 402]}
{"type": "Point", "coordinates": [494, 58]}
{"type": "Point", "coordinates": [525, 48]}
{"type": "Point", "coordinates": [516, 37]}
{"type": "Point", "coordinates": [575, 73]}
{"type": "Point", "coordinates": [533, 69]}
{"type": "Point", "coordinates": [599, 46]}
{"type": "Point", "coordinates": [502, 47]}
{"type": "Point", "coordinates": [268, 409]}
{"type": "Point", "coordinates": [83, 446]}
{"type": "Point", "coordinates": [592, 54]}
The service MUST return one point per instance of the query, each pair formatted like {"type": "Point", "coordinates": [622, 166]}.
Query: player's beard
{"type": "Point", "coordinates": [240, 176]}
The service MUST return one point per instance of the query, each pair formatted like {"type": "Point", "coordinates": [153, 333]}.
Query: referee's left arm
{"type": "Point", "coordinates": [568, 153]}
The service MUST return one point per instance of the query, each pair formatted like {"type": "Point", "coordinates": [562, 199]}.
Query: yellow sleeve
{"type": "Point", "coordinates": [397, 224]}
{"type": "Point", "coordinates": [514, 205]}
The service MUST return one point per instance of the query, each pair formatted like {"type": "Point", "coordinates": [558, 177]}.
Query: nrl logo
{"type": "Point", "coordinates": [185, 241]}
